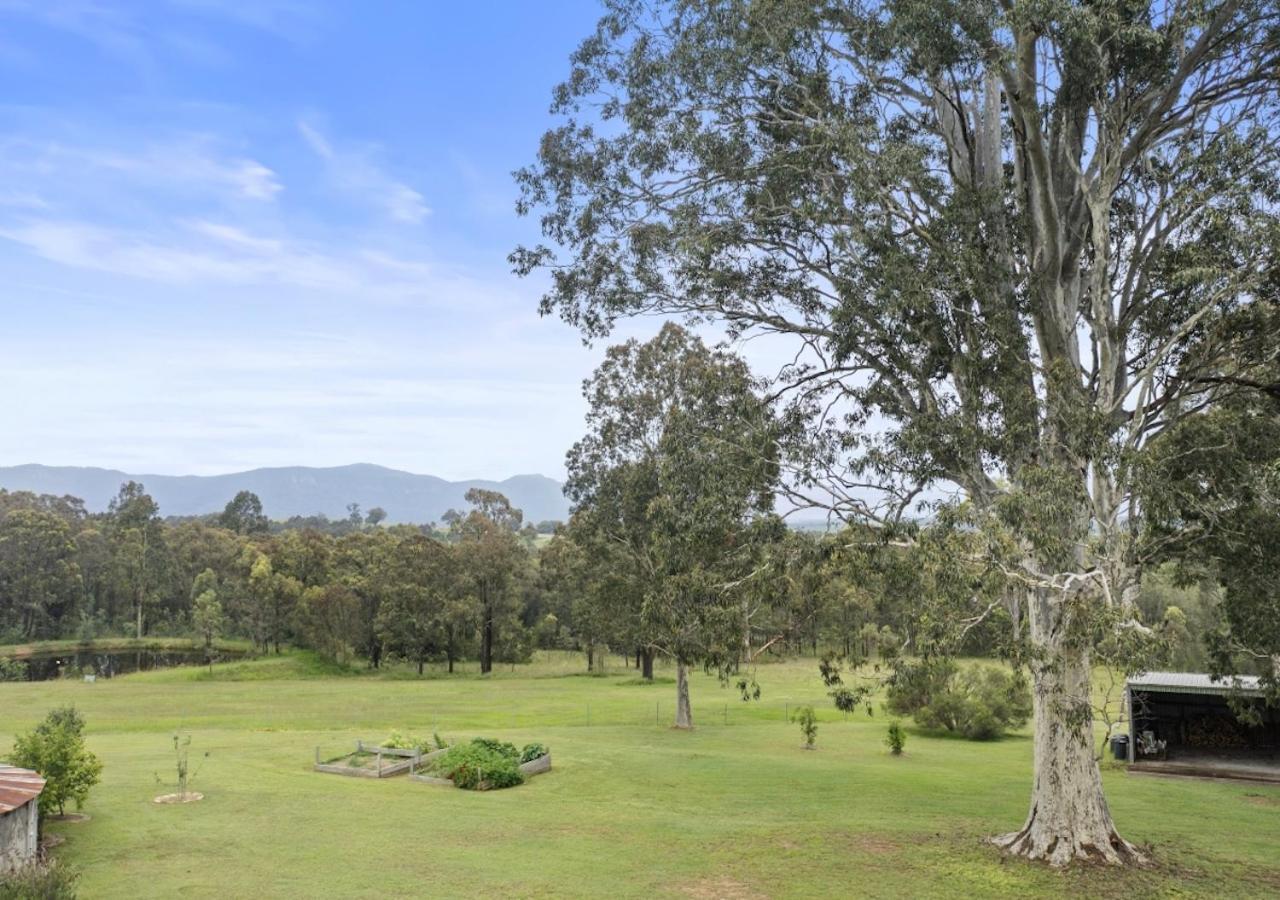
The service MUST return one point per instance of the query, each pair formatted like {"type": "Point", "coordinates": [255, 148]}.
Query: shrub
{"type": "Point", "coordinates": [12, 669]}
{"type": "Point", "coordinates": [55, 748]}
{"type": "Point", "coordinates": [897, 738]}
{"type": "Point", "coordinates": [440, 744]}
{"type": "Point", "coordinates": [500, 747]}
{"type": "Point", "coordinates": [532, 752]}
{"type": "Point", "coordinates": [49, 881]}
{"type": "Point", "coordinates": [480, 765]}
{"type": "Point", "coordinates": [980, 703]}
{"type": "Point", "coordinates": [808, 725]}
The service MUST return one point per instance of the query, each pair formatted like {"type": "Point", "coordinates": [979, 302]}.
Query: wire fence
{"type": "Point", "coordinates": [614, 714]}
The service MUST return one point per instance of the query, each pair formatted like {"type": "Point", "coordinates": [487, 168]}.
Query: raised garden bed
{"type": "Point", "coordinates": [481, 765]}
{"type": "Point", "coordinates": [368, 761]}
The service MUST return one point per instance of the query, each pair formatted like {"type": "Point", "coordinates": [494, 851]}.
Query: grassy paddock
{"type": "Point", "coordinates": [733, 809]}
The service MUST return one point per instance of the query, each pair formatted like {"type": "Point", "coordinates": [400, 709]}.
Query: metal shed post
{"type": "Point", "coordinates": [1133, 735]}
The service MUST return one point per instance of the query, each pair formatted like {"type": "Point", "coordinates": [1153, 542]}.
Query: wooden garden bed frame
{"type": "Point", "coordinates": [408, 759]}
{"type": "Point", "coordinates": [529, 769]}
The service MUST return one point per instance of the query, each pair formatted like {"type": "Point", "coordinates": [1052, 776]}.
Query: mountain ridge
{"type": "Point", "coordinates": [288, 491]}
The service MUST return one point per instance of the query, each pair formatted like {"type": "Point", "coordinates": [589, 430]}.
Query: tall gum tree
{"type": "Point", "coordinates": [673, 484]}
{"type": "Point", "coordinates": [996, 232]}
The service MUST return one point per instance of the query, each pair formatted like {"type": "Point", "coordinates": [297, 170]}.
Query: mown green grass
{"type": "Point", "coordinates": [632, 808]}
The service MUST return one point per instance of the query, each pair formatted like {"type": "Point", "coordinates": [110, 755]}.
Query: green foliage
{"type": "Point", "coordinates": [532, 752]}
{"type": "Point", "coordinates": [980, 702]}
{"type": "Point", "coordinates": [896, 739]}
{"type": "Point", "coordinates": [481, 764]}
{"type": "Point", "coordinates": [55, 748]}
{"type": "Point", "coordinates": [243, 514]}
{"type": "Point", "coordinates": [673, 490]}
{"type": "Point", "coordinates": [808, 725]}
{"type": "Point", "coordinates": [847, 699]}
{"type": "Point", "coordinates": [500, 747]}
{"type": "Point", "coordinates": [12, 669]}
{"type": "Point", "coordinates": [399, 741]}
{"type": "Point", "coordinates": [439, 742]}
{"type": "Point", "coordinates": [49, 880]}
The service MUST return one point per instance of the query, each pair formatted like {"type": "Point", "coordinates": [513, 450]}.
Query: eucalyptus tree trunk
{"type": "Point", "coordinates": [646, 663]}
{"type": "Point", "coordinates": [1069, 818]}
{"type": "Point", "coordinates": [684, 713]}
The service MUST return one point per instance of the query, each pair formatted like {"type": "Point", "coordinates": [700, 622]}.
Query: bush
{"type": "Point", "coordinates": [897, 738]}
{"type": "Point", "coordinates": [12, 669]}
{"type": "Point", "coordinates": [980, 703]}
{"type": "Point", "coordinates": [808, 725]}
{"type": "Point", "coordinates": [532, 752]}
{"type": "Point", "coordinates": [55, 748]}
{"type": "Point", "coordinates": [480, 765]}
{"type": "Point", "coordinates": [500, 747]}
{"type": "Point", "coordinates": [50, 881]}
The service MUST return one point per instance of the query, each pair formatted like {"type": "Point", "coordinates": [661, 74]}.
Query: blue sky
{"type": "Point", "coordinates": [274, 232]}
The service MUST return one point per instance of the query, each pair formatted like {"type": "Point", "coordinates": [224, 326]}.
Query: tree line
{"type": "Point", "coordinates": [468, 591]}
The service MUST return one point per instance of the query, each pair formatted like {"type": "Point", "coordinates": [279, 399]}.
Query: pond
{"type": "Point", "coordinates": [80, 662]}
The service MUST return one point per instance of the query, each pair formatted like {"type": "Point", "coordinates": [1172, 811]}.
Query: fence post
{"type": "Point", "coordinates": [786, 712]}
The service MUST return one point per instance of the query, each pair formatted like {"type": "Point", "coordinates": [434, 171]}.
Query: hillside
{"type": "Point", "coordinates": [295, 490]}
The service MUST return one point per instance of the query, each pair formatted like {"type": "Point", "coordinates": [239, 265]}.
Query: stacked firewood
{"type": "Point", "coordinates": [1215, 733]}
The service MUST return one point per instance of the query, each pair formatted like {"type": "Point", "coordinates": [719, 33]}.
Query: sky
{"type": "Point", "coordinates": [242, 233]}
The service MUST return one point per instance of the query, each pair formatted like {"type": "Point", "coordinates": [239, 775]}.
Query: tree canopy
{"type": "Point", "coordinates": [1003, 239]}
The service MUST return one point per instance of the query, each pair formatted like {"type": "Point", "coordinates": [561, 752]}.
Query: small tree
{"type": "Point", "coordinates": [897, 738]}
{"type": "Point", "coordinates": [181, 754]}
{"type": "Point", "coordinates": [206, 611]}
{"type": "Point", "coordinates": [55, 748]}
{"type": "Point", "coordinates": [808, 726]}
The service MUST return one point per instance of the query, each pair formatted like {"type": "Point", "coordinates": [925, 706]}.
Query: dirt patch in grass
{"type": "Point", "coordinates": [876, 846]}
{"type": "Point", "coordinates": [69, 817]}
{"type": "Point", "coordinates": [188, 797]}
{"type": "Point", "coordinates": [721, 887]}
{"type": "Point", "coordinates": [1263, 799]}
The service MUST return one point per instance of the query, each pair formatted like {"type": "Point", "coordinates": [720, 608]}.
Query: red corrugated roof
{"type": "Point", "coordinates": [18, 786]}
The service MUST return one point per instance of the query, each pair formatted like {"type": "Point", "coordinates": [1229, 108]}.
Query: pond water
{"type": "Point", "coordinates": [106, 664]}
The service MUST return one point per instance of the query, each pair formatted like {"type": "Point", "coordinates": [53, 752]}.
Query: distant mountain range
{"type": "Point", "coordinates": [295, 490]}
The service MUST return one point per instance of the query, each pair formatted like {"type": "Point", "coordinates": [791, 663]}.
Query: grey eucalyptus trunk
{"type": "Point", "coordinates": [684, 712]}
{"type": "Point", "coordinates": [1069, 818]}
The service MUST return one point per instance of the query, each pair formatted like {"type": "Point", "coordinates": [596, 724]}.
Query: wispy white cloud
{"type": "Point", "coordinates": [202, 252]}
{"type": "Point", "coordinates": [355, 171]}
{"type": "Point", "coordinates": [141, 35]}
{"type": "Point", "coordinates": [190, 163]}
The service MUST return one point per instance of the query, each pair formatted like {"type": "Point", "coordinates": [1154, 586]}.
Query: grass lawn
{"type": "Point", "coordinates": [632, 808]}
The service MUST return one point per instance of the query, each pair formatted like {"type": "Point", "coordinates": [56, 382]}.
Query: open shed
{"type": "Point", "coordinates": [19, 817]}
{"type": "Point", "coordinates": [1181, 723]}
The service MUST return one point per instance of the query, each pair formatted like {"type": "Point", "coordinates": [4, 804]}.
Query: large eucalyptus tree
{"type": "Point", "coordinates": [673, 488]}
{"type": "Point", "coordinates": [999, 234]}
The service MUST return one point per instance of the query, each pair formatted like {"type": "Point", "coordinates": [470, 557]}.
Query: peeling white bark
{"type": "Point", "coordinates": [1069, 818]}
